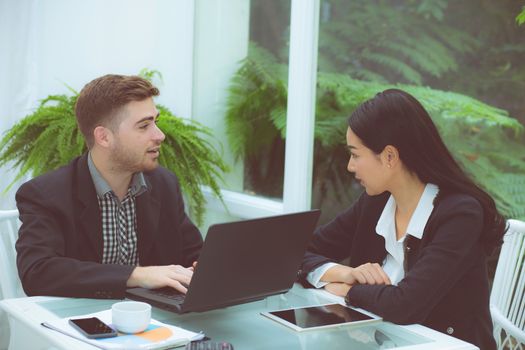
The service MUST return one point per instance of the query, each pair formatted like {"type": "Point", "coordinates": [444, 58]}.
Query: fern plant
{"type": "Point", "coordinates": [487, 143]}
{"type": "Point", "coordinates": [49, 138]}
{"type": "Point", "coordinates": [376, 40]}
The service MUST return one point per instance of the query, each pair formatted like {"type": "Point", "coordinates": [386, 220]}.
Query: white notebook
{"type": "Point", "coordinates": [158, 335]}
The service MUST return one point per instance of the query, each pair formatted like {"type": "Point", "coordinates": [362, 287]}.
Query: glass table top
{"type": "Point", "coordinates": [245, 327]}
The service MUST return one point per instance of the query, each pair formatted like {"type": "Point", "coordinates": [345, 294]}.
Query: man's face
{"type": "Point", "coordinates": [136, 142]}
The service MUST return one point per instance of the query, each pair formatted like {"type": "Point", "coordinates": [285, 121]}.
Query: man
{"type": "Point", "coordinates": [112, 218]}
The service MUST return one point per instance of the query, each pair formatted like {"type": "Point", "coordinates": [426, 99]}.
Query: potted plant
{"type": "Point", "coordinates": [49, 138]}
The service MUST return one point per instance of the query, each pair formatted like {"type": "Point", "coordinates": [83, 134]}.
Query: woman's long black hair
{"type": "Point", "coordinates": [394, 117]}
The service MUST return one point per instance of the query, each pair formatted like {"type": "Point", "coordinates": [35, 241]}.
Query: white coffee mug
{"type": "Point", "coordinates": [131, 316]}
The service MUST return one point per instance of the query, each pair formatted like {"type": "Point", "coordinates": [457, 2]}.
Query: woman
{"type": "Point", "coordinates": [418, 238]}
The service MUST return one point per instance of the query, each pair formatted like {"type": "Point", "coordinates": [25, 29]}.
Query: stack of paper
{"type": "Point", "coordinates": [157, 336]}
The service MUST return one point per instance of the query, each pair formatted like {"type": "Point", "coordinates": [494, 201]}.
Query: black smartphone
{"type": "Point", "coordinates": [93, 327]}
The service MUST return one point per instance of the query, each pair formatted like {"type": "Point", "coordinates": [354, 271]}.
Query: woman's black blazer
{"type": "Point", "coordinates": [445, 285]}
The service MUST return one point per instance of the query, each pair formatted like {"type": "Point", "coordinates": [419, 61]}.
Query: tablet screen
{"type": "Point", "coordinates": [319, 316]}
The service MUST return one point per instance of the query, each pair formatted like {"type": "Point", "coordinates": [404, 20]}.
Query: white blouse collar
{"type": "Point", "coordinates": [419, 219]}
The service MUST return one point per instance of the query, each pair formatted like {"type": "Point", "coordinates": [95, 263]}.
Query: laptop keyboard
{"type": "Point", "coordinates": [170, 293]}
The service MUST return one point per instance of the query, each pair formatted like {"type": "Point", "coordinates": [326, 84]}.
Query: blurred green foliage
{"type": "Point", "coordinates": [471, 47]}
{"type": "Point", "coordinates": [520, 19]}
{"type": "Point", "coordinates": [487, 143]}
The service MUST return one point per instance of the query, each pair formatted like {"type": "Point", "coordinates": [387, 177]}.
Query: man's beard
{"type": "Point", "coordinates": [124, 160]}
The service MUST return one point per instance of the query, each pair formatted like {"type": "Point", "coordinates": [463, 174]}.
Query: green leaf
{"type": "Point", "coordinates": [520, 19]}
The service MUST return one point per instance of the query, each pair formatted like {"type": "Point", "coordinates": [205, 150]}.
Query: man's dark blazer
{"type": "Point", "coordinates": [60, 244]}
{"type": "Point", "coordinates": [445, 285]}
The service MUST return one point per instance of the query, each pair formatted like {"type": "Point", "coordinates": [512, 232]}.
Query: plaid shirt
{"type": "Point", "coordinates": [119, 219]}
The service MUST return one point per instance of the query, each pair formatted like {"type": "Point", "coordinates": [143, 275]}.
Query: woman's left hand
{"type": "Point", "coordinates": [338, 288]}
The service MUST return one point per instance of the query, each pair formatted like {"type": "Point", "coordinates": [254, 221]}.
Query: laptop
{"type": "Point", "coordinates": [240, 262]}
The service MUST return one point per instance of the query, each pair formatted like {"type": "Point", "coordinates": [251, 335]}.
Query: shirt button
{"type": "Point", "coordinates": [450, 330]}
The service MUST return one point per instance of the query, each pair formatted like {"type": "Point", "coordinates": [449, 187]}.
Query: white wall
{"type": "Point", "coordinates": [16, 69]}
{"type": "Point", "coordinates": [221, 42]}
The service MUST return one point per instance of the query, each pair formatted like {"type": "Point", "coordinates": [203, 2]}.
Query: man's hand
{"type": "Point", "coordinates": [174, 276]}
{"type": "Point", "coordinates": [364, 274]}
{"type": "Point", "coordinates": [338, 288]}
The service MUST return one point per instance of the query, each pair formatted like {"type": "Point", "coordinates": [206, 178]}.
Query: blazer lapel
{"type": "Point", "coordinates": [90, 218]}
{"type": "Point", "coordinates": [148, 213]}
{"type": "Point", "coordinates": [377, 249]}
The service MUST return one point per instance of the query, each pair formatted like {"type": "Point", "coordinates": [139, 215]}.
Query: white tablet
{"type": "Point", "coordinates": [321, 316]}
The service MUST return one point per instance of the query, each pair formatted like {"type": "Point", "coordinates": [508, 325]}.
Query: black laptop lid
{"type": "Point", "coordinates": [248, 260]}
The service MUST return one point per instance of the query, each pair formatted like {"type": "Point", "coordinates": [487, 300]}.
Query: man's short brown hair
{"type": "Point", "coordinates": [100, 101]}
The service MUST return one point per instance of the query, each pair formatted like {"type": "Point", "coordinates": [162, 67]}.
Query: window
{"type": "Point", "coordinates": [463, 60]}
{"type": "Point", "coordinates": [229, 36]}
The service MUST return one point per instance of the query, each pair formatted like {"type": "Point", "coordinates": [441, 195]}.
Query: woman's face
{"type": "Point", "coordinates": [369, 168]}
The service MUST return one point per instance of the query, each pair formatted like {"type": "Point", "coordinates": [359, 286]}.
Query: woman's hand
{"type": "Point", "coordinates": [338, 288]}
{"type": "Point", "coordinates": [369, 273]}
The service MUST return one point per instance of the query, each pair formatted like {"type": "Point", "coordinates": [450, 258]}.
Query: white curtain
{"type": "Point", "coordinates": [18, 80]}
